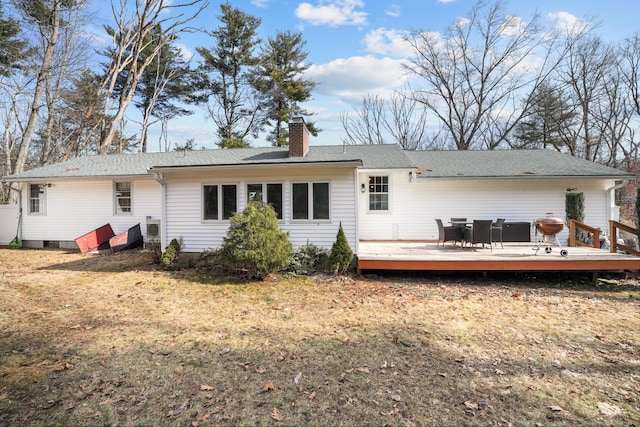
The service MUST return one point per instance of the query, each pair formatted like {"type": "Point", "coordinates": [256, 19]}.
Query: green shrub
{"type": "Point", "coordinates": [308, 259]}
{"type": "Point", "coordinates": [171, 253]}
{"type": "Point", "coordinates": [341, 253]}
{"type": "Point", "coordinates": [575, 210]}
{"type": "Point", "coordinates": [255, 243]}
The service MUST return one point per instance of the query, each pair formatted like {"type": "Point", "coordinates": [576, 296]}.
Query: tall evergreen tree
{"type": "Point", "coordinates": [11, 46]}
{"type": "Point", "coordinates": [548, 122]}
{"type": "Point", "coordinates": [278, 79]}
{"type": "Point", "coordinates": [223, 83]}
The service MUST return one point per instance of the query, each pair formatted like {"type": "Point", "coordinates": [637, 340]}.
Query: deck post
{"type": "Point", "coordinates": [572, 233]}
{"type": "Point", "coordinates": [613, 237]}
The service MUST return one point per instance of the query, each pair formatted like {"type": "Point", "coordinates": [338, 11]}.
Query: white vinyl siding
{"type": "Point", "coordinates": [184, 195]}
{"type": "Point", "coordinates": [417, 203]}
{"type": "Point", "coordinates": [77, 207]}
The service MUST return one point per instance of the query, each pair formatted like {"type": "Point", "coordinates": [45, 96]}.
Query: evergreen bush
{"type": "Point", "coordinates": [308, 259]}
{"type": "Point", "coordinates": [171, 253]}
{"type": "Point", "coordinates": [255, 243]}
{"type": "Point", "coordinates": [341, 253]}
{"type": "Point", "coordinates": [574, 205]}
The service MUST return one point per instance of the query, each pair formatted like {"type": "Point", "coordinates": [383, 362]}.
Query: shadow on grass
{"type": "Point", "coordinates": [568, 280]}
{"type": "Point", "coordinates": [393, 372]}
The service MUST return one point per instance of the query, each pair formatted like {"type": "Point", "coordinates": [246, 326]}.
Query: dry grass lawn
{"type": "Point", "coordinates": [115, 340]}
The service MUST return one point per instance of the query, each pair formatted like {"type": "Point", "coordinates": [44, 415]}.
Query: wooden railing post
{"type": "Point", "coordinates": [574, 226]}
{"type": "Point", "coordinates": [613, 227]}
{"type": "Point", "coordinates": [572, 233]}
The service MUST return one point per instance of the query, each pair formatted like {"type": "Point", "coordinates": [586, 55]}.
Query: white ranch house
{"type": "Point", "coordinates": [377, 192]}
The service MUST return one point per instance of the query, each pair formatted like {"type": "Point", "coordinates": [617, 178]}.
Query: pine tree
{"type": "Point", "coordinates": [278, 79]}
{"type": "Point", "coordinates": [11, 46]}
{"type": "Point", "coordinates": [341, 253]}
{"type": "Point", "coordinates": [222, 80]}
{"type": "Point", "coordinates": [161, 85]}
{"type": "Point", "coordinates": [547, 124]}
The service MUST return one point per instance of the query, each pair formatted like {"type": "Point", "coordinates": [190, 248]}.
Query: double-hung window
{"type": "Point", "coordinates": [310, 200]}
{"type": "Point", "coordinates": [122, 195]}
{"type": "Point", "coordinates": [37, 199]}
{"type": "Point", "coordinates": [270, 194]}
{"type": "Point", "coordinates": [219, 201]}
{"type": "Point", "coordinates": [378, 193]}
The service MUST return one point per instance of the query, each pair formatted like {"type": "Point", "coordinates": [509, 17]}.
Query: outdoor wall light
{"type": "Point", "coordinates": [362, 188]}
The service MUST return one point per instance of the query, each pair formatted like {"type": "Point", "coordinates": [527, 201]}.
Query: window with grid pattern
{"type": "Point", "coordinates": [378, 193]}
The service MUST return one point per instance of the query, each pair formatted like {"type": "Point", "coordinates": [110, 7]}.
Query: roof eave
{"type": "Point", "coordinates": [525, 177]}
{"type": "Point", "coordinates": [76, 177]}
{"type": "Point", "coordinates": [261, 165]}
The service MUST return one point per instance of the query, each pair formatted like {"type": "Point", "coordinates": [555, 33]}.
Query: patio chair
{"type": "Point", "coordinates": [480, 232]}
{"type": "Point", "coordinates": [459, 222]}
{"type": "Point", "coordinates": [496, 231]}
{"type": "Point", "coordinates": [447, 234]}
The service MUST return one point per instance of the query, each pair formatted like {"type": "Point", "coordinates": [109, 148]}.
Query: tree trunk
{"type": "Point", "coordinates": [43, 74]}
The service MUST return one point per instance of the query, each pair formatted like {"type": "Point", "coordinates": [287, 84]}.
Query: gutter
{"type": "Point", "coordinates": [244, 166]}
{"type": "Point", "coordinates": [523, 177]}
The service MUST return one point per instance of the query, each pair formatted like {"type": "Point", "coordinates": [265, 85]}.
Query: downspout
{"type": "Point", "coordinates": [163, 208]}
{"type": "Point", "coordinates": [356, 185]}
{"type": "Point", "coordinates": [611, 197]}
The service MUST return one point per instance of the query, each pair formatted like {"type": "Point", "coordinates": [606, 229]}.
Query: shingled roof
{"type": "Point", "coordinates": [508, 164]}
{"type": "Point", "coordinates": [121, 165]}
{"type": "Point", "coordinates": [431, 164]}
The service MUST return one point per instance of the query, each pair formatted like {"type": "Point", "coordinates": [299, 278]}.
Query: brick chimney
{"type": "Point", "coordinates": [298, 138]}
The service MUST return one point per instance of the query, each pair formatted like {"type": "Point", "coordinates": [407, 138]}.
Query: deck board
{"type": "Point", "coordinates": [412, 255]}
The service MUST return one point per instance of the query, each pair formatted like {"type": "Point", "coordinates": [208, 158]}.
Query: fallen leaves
{"type": "Point", "coordinates": [268, 387]}
{"type": "Point", "coordinates": [277, 415]}
{"type": "Point", "coordinates": [609, 410]}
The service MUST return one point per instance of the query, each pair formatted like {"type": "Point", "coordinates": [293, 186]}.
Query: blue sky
{"type": "Point", "coordinates": [355, 46]}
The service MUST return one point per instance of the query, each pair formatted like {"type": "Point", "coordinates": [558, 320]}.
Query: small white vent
{"type": "Point", "coordinates": [153, 230]}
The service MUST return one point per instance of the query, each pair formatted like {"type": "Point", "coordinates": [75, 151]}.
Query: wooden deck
{"type": "Point", "coordinates": [426, 256]}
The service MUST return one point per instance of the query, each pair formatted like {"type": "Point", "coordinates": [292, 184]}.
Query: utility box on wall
{"type": "Point", "coordinates": [153, 231]}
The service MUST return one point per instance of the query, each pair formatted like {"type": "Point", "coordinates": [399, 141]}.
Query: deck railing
{"type": "Point", "coordinates": [613, 236]}
{"type": "Point", "coordinates": [575, 226]}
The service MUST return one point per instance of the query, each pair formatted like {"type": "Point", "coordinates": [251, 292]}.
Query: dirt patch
{"type": "Point", "coordinates": [114, 339]}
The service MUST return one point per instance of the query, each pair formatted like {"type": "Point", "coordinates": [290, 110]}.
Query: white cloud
{"type": "Point", "coordinates": [388, 42]}
{"type": "Point", "coordinates": [511, 26]}
{"type": "Point", "coordinates": [356, 76]}
{"type": "Point", "coordinates": [393, 11]}
{"type": "Point", "coordinates": [260, 3]}
{"type": "Point", "coordinates": [185, 52]}
{"type": "Point", "coordinates": [446, 1]}
{"type": "Point", "coordinates": [567, 22]}
{"type": "Point", "coordinates": [333, 13]}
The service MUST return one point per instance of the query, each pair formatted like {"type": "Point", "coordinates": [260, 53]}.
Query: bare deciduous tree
{"type": "Point", "coordinates": [399, 119]}
{"type": "Point", "coordinates": [477, 72]}
{"type": "Point", "coordinates": [134, 24]}
{"type": "Point", "coordinates": [48, 20]}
